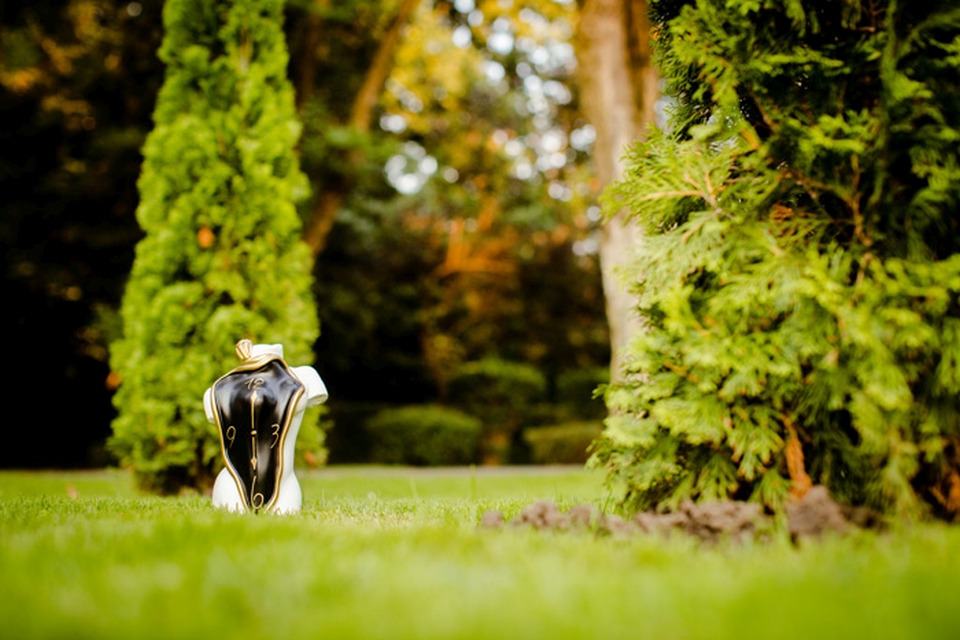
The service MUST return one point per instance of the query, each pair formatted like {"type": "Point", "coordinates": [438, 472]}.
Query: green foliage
{"type": "Point", "coordinates": [801, 275]}
{"type": "Point", "coordinates": [459, 237]}
{"type": "Point", "coordinates": [562, 443]}
{"type": "Point", "coordinates": [424, 435]}
{"type": "Point", "coordinates": [222, 258]}
{"type": "Point", "coordinates": [497, 384]}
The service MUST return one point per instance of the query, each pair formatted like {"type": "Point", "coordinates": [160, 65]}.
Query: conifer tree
{"type": "Point", "coordinates": [801, 280]}
{"type": "Point", "coordinates": [222, 257]}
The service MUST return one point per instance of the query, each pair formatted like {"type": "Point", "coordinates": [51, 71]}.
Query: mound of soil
{"type": "Point", "coordinates": [810, 517]}
{"type": "Point", "coordinates": [817, 514]}
{"type": "Point", "coordinates": [711, 521]}
{"type": "Point", "coordinates": [546, 515]}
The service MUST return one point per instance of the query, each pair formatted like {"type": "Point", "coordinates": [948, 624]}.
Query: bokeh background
{"type": "Point", "coordinates": [453, 216]}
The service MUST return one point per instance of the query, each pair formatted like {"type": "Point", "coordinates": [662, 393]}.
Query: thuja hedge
{"type": "Point", "coordinates": [800, 275]}
{"type": "Point", "coordinates": [222, 257]}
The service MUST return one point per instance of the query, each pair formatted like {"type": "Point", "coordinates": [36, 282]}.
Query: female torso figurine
{"type": "Point", "coordinates": [258, 408]}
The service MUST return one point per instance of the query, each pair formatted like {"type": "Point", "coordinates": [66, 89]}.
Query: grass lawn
{"type": "Point", "coordinates": [396, 553]}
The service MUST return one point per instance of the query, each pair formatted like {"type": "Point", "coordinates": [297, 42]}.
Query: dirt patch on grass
{"type": "Point", "coordinates": [711, 521]}
{"type": "Point", "coordinates": [813, 516]}
{"type": "Point", "coordinates": [817, 514]}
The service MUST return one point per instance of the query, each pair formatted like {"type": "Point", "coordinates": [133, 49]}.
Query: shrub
{"type": "Point", "coordinates": [801, 272]}
{"type": "Point", "coordinates": [424, 435]}
{"type": "Point", "coordinates": [492, 384]}
{"type": "Point", "coordinates": [561, 444]}
{"type": "Point", "coordinates": [222, 257]}
{"type": "Point", "coordinates": [504, 395]}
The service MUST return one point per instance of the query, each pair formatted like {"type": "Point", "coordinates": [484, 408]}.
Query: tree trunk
{"type": "Point", "coordinates": [321, 221]}
{"type": "Point", "coordinates": [619, 87]}
{"type": "Point", "coordinates": [305, 67]}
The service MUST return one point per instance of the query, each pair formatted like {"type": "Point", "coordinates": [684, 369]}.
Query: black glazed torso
{"type": "Point", "coordinates": [254, 409]}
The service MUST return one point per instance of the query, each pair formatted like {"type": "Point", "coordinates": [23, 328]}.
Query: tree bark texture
{"type": "Point", "coordinates": [619, 88]}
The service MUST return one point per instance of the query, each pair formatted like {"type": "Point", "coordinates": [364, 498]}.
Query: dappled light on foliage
{"type": "Point", "coordinates": [801, 272]}
{"type": "Point", "coordinates": [222, 258]}
{"type": "Point", "coordinates": [467, 227]}
{"type": "Point", "coordinates": [423, 178]}
{"type": "Point", "coordinates": [432, 131]}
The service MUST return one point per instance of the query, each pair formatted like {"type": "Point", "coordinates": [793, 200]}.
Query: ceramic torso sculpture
{"type": "Point", "coordinates": [258, 408]}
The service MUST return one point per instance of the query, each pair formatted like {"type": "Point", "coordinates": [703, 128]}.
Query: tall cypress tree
{"type": "Point", "coordinates": [801, 280]}
{"type": "Point", "coordinates": [222, 257]}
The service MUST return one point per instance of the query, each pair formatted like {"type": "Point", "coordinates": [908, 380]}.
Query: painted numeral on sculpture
{"type": "Point", "coordinates": [231, 434]}
{"type": "Point", "coordinates": [256, 500]}
{"type": "Point", "coordinates": [275, 434]}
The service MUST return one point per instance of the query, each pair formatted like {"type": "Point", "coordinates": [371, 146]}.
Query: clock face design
{"type": "Point", "coordinates": [254, 408]}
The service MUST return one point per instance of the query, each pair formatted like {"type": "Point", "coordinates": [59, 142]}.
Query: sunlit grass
{"type": "Point", "coordinates": [103, 483]}
{"type": "Point", "coordinates": [387, 553]}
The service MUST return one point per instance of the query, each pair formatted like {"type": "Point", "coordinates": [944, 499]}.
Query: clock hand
{"type": "Point", "coordinates": [253, 430]}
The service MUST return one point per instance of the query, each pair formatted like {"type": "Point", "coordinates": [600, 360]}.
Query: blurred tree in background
{"type": "Point", "coordinates": [468, 229]}
{"type": "Point", "coordinates": [78, 81]}
{"type": "Point", "coordinates": [447, 134]}
{"type": "Point", "coordinates": [801, 272]}
{"type": "Point", "coordinates": [222, 258]}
